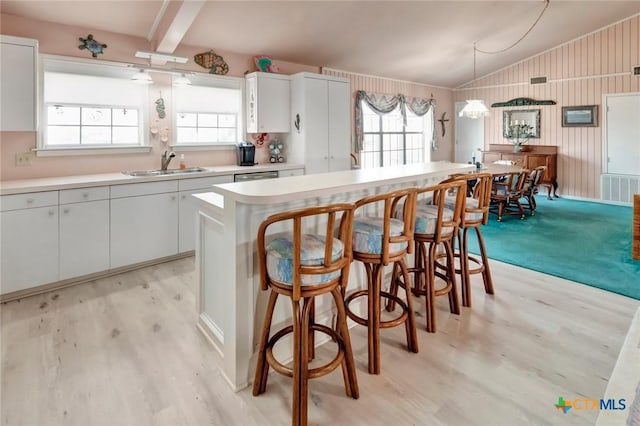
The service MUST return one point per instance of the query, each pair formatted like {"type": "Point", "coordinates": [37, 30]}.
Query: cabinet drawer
{"type": "Point", "coordinates": [68, 196]}
{"type": "Point", "coordinates": [148, 188]}
{"type": "Point", "coordinates": [518, 159]}
{"type": "Point", "coordinates": [202, 183]}
{"type": "Point", "coordinates": [28, 201]}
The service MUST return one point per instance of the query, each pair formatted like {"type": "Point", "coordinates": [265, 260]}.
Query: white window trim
{"type": "Point", "coordinates": [213, 81]}
{"type": "Point", "coordinates": [107, 68]}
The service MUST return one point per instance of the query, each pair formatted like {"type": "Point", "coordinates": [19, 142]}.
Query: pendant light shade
{"type": "Point", "coordinates": [181, 81]}
{"type": "Point", "coordinates": [142, 77]}
{"type": "Point", "coordinates": [475, 108]}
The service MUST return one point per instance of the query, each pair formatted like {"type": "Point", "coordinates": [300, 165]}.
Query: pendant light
{"type": "Point", "coordinates": [475, 108]}
{"type": "Point", "coordinates": [142, 77]}
{"type": "Point", "coordinates": [181, 81]}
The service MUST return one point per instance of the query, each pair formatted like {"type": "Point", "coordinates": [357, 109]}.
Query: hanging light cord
{"type": "Point", "coordinates": [475, 49]}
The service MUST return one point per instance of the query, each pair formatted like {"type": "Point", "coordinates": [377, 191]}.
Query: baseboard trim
{"type": "Point", "coordinates": [33, 291]}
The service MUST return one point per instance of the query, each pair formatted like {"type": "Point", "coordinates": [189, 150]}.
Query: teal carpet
{"type": "Point", "coordinates": [586, 242]}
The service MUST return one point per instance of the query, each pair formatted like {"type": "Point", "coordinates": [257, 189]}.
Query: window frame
{"type": "Point", "coordinates": [214, 81]}
{"type": "Point", "coordinates": [103, 69]}
{"type": "Point", "coordinates": [380, 133]}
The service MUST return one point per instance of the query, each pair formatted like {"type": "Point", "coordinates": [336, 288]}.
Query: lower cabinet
{"type": "Point", "coordinates": [291, 172]}
{"type": "Point", "coordinates": [144, 224]}
{"type": "Point", "coordinates": [84, 231]}
{"type": "Point", "coordinates": [28, 247]}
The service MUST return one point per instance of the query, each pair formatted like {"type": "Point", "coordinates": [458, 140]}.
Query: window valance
{"type": "Point", "coordinates": [384, 104]}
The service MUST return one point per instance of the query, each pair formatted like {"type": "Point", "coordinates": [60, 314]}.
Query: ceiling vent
{"type": "Point", "coordinates": [636, 71]}
{"type": "Point", "coordinates": [538, 80]}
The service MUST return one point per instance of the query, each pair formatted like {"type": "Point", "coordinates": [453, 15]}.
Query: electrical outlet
{"type": "Point", "coordinates": [24, 159]}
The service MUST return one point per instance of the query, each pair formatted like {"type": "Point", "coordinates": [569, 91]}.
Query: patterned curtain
{"type": "Point", "coordinates": [384, 104]}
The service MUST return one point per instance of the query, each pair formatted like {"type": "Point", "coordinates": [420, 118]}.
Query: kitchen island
{"type": "Point", "coordinates": [230, 303]}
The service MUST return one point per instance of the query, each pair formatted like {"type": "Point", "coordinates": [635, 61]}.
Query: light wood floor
{"type": "Point", "coordinates": [125, 351]}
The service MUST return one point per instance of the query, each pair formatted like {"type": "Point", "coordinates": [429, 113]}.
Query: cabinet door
{"type": "Point", "coordinates": [29, 247]}
{"type": "Point", "coordinates": [339, 122]}
{"type": "Point", "coordinates": [314, 125]}
{"type": "Point", "coordinates": [287, 173]}
{"type": "Point", "coordinates": [534, 161]}
{"type": "Point", "coordinates": [143, 228]}
{"type": "Point", "coordinates": [18, 82]}
{"type": "Point", "coordinates": [518, 159]}
{"type": "Point", "coordinates": [84, 238]}
{"type": "Point", "coordinates": [268, 103]}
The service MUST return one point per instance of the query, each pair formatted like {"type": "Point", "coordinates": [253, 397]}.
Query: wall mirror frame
{"type": "Point", "coordinates": [529, 116]}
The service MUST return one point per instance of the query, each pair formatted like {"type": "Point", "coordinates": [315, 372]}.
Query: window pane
{"type": "Point", "coordinates": [96, 116]}
{"type": "Point", "coordinates": [207, 135]}
{"type": "Point", "coordinates": [227, 120]}
{"type": "Point", "coordinates": [125, 117]}
{"type": "Point", "coordinates": [125, 135]}
{"type": "Point", "coordinates": [63, 135]}
{"type": "Point", "coordinates": [57, 114]}
{"type": "Point", "coordinates": [227, 135]}
{"type": "Point", "coordinates": [187, 135]}
{"type": "Point", "coordinates": [207, 120]}
{"type": "Point", "coordinates": [94, 135]}
{"type": "Point", "coordinates": [186, 119]}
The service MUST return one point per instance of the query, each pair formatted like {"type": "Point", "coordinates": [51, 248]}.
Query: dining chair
{"type": "Point", "coordinates": [506, 191]}
{"type": "Point", "coordinates": [531, 188]}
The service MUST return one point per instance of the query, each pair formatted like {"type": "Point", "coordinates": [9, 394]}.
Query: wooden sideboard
{"type": "Point", "coordinates": [531, 157]}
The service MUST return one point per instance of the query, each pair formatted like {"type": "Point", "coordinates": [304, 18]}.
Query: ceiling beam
{"type": "Point", "coordinates": [170, 36]}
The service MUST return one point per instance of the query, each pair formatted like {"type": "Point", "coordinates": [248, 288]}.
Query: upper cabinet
{"type": "Point", "coordinates": [267, 103]}
{"type": "Point", "coordinates": [320, 113]}
{"type": "Point", "coordinates": [18, 79]}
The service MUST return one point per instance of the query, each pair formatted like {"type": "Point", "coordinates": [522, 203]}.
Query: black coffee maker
{"type": "Point", "coordinates": [246, 154]}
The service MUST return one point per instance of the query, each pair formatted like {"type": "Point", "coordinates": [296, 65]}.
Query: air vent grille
{"type": "Point", "coordinates": [636, 70]}
{"type": "Point", "coordinates": [538, 80]}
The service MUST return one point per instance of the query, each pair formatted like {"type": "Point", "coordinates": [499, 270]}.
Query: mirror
{"type": "Point", "coordinates": [526, 116]}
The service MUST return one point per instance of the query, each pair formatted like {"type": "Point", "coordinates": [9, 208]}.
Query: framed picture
{"type": "Point", "coordinates": [580, 116]}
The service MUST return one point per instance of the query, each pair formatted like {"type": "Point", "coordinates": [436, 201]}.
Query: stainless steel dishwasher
{"type": "Point", "coordinates": [244, 177]}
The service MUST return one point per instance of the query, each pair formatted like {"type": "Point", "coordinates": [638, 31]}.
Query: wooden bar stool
{"type": "Point", "coordinates": [379, 240]}
{"type": "Point", "coordinates": [301, 266]}
{"type": "Point", "coordinates": [435, 225]}
{"type": "Point", "coordinates": [476, 213]}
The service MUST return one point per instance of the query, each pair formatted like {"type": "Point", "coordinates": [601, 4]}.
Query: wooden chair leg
{"type": "Point", "coordinates": [465, 276]}
{"type": "Point", "coordinates": [393, 288]}
{"type": "Point", "coordinates": [454, 304]}
{"type": "Point", "coordinates": [410, 324]}
{"type": "Point", "coordinates": [312, 337]}
{"type": "Point", "coordinates": [430, 289]}
{"type": "Point", "coordinates": [486, 272]}
{"type": "Point", "coordinates": [348, 363]}
{"type": "Point", "coordinates": [306, 338]}
{"type": "Point", "coordinates": [374, 276]}
{"type": "Point", "coordinates": [262, 367]}
{"type": "Point", "coordinates": [296, 418]}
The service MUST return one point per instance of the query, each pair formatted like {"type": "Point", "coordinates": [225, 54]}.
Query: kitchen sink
{"type": "Point", "coordinates": [165, 172]}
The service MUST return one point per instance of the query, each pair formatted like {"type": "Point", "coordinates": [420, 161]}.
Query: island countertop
{"type": "Point", "coordinates": [315, 185]}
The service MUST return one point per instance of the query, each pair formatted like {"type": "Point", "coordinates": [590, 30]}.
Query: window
{"type": "Point", "coordinates": [388, 143]}
{"type": "Point", "coordinates": [208, 112]}
{"type": "Point", "coordinates": [90, 106]}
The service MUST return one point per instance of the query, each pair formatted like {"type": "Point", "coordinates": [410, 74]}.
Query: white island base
{"type": "Point", "coordinates": [230, 302]}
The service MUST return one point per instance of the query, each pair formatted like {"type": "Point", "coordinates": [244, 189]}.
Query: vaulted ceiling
{"type": "Point", "coordinates": [427, 42]}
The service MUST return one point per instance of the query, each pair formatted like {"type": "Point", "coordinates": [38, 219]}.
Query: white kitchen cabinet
{"type": "Point", "coordinates": [321, 137]}
{"type": "Point", "coordinates": [29, 240]}
{"type": "Point", "coordinates": [267, 103]}
{"type": "Point", "coordinates": [18, 72]}
{"type": "Point", "coordinates": [84, 231]}
{"type": "Point", "coordinates": [188, 208]}
{"type": "Point", "coordinates": [144, 222]}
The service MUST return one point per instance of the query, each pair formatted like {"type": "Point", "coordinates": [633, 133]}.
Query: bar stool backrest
{"type": "Point", "coordinates": [447, 224]}
{"type": "Point", "coordinates": [482, 196]}
{"type": "Point", "coordinates": [405, 197]}
{"type": "Point", "coordinates": [338, 216]}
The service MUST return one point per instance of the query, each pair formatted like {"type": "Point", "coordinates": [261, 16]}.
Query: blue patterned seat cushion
{"type": "Point", "coordinates": [427, 216]}
{"type": "Point", "coordinates": [279, 253]}
{"type": "Point", "coordinates": [367, 234]}
{"type": "Point", "coordinates": [470, 203]}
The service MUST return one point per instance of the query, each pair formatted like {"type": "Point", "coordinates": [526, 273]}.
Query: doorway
{"type": "Point", "coordinates": [622, 134]}
{"type": "Point", "coordinates": [469, 137]}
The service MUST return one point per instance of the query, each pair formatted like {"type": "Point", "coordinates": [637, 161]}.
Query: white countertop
{"type": "Point", "coordinates": [82, 181]}
{"type": "Point", "coordinates": [308, 186]}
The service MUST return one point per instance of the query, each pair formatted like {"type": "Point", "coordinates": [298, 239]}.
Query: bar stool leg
{"type": "Point", "coordinates": [305, 336]}
{"type": "Point", "coordinates": [465, 277]}
{"type": "Point", "coordinates": [430, 278]}
{"type": "Point", "coordinates": [410, 324]}
{"type": "Point", "coordinates": [262, 367]}
{"type": "Point", "coordinates": [297, 356]}
{"type": "Point", "coordinates": [486, 273]}
{"type": "Point", "coordinates": [374, 276]}
{"type": "Point", "coordinates": [454, 304]}
{"type": "Point", "coordinates": [348, 364]}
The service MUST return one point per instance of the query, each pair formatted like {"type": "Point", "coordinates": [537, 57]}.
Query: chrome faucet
{"type": "Point", "coordinates": [166, 158]}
